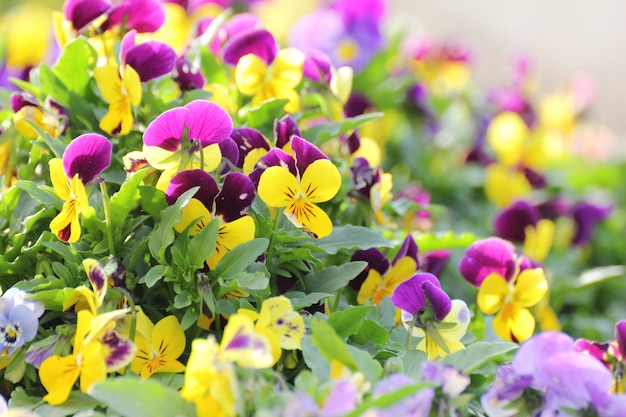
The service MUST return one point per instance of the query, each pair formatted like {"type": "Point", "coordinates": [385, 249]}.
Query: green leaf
{"type": "Point", "coordinates": [352, 237]}
{"type": "Point", "coordinates": [239, 258]}
{"type": "Point", "coordinates": [428, 242]}
{"type": "Point", "coordinates": [126, 199]}
{"type": "Point", "coordinates": [163, 235]}
{"type": "Point", "coordinates": [266, 112]}
{"type": "Point", "coordinates": [52, 299]}
{"type": "Point", "coordinates": [202, 245]}
{"type": "Point", "coordinates": [369, 366]}
{"type": "Point", "coordinates": [478, 353]}
{"type": "Point", "coordinates": [300, 300]}
{"type": "Point", "coordinates": [41, 193]}
{"type": "Point", "coordinates": [130, 396]}
{"type": "Point", "coordinates": [412, 361]}
{"type": "Point", "coordinates": [52, 86]}
{"type": "Point", "coordinates": [73, 65]}
{"type": "Point", "coordinates": [330, 344]}
{"type": "Point", "coordinates": [189, 318]}
{"type": "Point", "coordinates": [370, 331]}
{"type": "Point", "coordinates": [347, 322]}
{"type": "Point", "coordinates": [152, 201]}
{"type": "Point", "coordinates": [153, 275]}
{"type": "Point", "coordinates": [323, 132]}
{"type": "Point", "coordinates": [332, 278]}
{"type": "Point", "coordinates": [77, 401]}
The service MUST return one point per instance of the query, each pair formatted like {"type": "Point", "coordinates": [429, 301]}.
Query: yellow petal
{"type": "Point", "coordinates": [370, 150]}
{"type": "Point", "coordinates": [250, 74]}
{"type": "Point", "coordinates": [59, 179]}
{"type": "Point", "coordinates": [287, 67]}
{"type": "Point", "coordinates": [321, 181]}
{"type": "Point", "coordinates": [492, 293]}
{"type": "Point", "coordinates": [272, 90]}
{"type": "Point", "coordinates": [143, 355]}
{"type": "Point", "coordinates": [160, 158]}
{"type": "Point", "coordinates": [144, 325]}
{"type": "Point", "coordinates": [507, 134]}
{"type": "Point", "coordinates": [278, 187]}
{"type": "Point", "coordinates": [310, 218]}
{"type": "Point", "coordinates": [245, 346]}
{"type": "Point", "coordinates": [109, 83]}
{"type": "Point", "coordinates": [67, 217]}
{"type": "Point", "coordinates": [230, 235]}
{"type": "Point", "coordinates": [252, 158]}
{"type": "Point", "coordinates": [530, 287]}
{"type": "Point", "coordinates": [194, 212]}
{"type": "Point", "coordinates": [132, 85]}
{"type": "Point", "coordinates": [93, 366]}
{"type": "Point", "coordinates": [514, 323]}
{"type": "Point", "coordinates": [369, 286]}
{"type": "Point", "coordinates": [212, 157]}
{"type": "Point", "coordinates": [58, 376]}
{"type": "Point", "coordinates": [341, 83]}
{"type": "Point", "coordinates": [503, 185]}
{"type": "Point", "coordinates": [402, 270]}
{"type": "Point", "coordinates": [459, 315]}
{"type": "Point", "coordinates": [278, 316]}
{"type": "Point", "coordinates": [168, 338]}
{"type": "Point", "coordinates": [539, 240]}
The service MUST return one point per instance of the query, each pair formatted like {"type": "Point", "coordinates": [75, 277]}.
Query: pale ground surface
{"type": "Point", "coordinates": [563, 37]}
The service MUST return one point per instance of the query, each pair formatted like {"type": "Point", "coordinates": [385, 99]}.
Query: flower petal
{"type": "Point", "coordinates": [369, 286]}
{"type": "Point", "coordinates": [243, 345]}
{"type": "Point", "coordinates": [208, 122]}
{"type": "Point", "coordinates": [82, 12]}
{"type": "Point", "coordinates": [284, 129]}
{"type": "Point", "coordinates": [287, 67]}
{"type": "Point", "coordinates": [259, 42]}
{"type": "Point", "coordinates": [88, 156]}
{"type": "Point", "coordinates": [231, 235]}
{"type": "Point", "coordinates": [97, 277]}
{"type": "Point", "coordinates": [151, 59]}
{"type": "Point", "coordinates": [486, 256]}
{"type": "Point", "coordinates": [185, 180]}
{"type": "Point", "coordinates": [310, 218]}
{"type": "Point", "coordinates": [278, 316]}
{"type": "Point", "coordinates": [168, 337]}
{"type": "Point", "coordinates": [58, 376]}
{"type": "Point", "coordinates": [511, 223]}
{"type": "Point", "coordinates": [321, 181]}
{"type": "Point", "coordinates": [530, 287]}
{"type": "Point", "coordinates": [533, 352]}
{"type": "Point", "coordinates": [409, 295]}
{"type": "Point", "coordinates": [59, 179]}
{"type": "Point", "coordinates": [460, 315]}
{"type": "Point", "coordinates": [492, 293]}
{"type": "Point", "coordinates": [278, 187]}
{"type": "Point", "coordinates": [250, 74]}
{"type": "Point", "coordinates": [166, 131]}
{"type": "Point", "coordinates": [248, 139]}
{"type": "Point", "coordinates": [306, 153]}
{"type": "Point", "coordinates": [514, 323]}
{"type": "Point", "coordinates": [438, 299]}
{"type": "Point", "coordinates": [235, 198]}
{"type": "Point", "coordinates": [118, 351]}
{"type": "Point", "coordinates": [194, 212]}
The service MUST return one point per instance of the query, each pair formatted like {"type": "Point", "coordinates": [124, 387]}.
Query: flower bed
{"type": "Point", "coordinates": [208, 212]}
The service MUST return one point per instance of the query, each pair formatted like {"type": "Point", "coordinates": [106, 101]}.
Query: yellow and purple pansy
{"type": "Point", "coordinates": [230, 205]}
{"type": "Point", "coordinates": [297, 184]}
{"type": "Point", "coordinates": [84, 159]}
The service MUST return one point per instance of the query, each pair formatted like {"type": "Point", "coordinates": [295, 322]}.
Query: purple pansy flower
{"type": "Point", "coordinates": [511, 223]}
{"type": "Point", "coordinates": [19, 320]}
{"type": "Point", "coordinates": [586, 216]}
{"type": "Point", "coordinates": [420, 291]}
{"type": "Point", "coordinates": [81, 13]}
{"type": "Point", "coordinates": [486, 256]}
{"type": "Point", "coordinates": [177, 136]}
{"type": "Point", "coordinates": [144, 16]}
{"type": "Point", "coordinates": [259, 42]}
{"type": "Point", "coordinates": [187, 75]}
{"type": "Point", "coordinates": [120, 350]}
{"type": "Point", "coordinates": [150, 59]}
{"type": "Point", "coordinates": [87, 156]}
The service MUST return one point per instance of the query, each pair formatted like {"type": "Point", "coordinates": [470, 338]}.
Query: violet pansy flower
{"type": "Point", "coordinates": [586, 216]}
{"type": "Point", "coordinates": [229, 205]}
{"type": "Point", "coordinates": [487, 256]}
{"type": "Point", "coordinates": [177, 137]}
{"type": "Point", "coordinates": [150, 59]}
{"type": "Point", "coordinates": [19, 320]}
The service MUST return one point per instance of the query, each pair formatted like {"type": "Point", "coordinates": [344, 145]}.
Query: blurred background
{"type": "Point", "coordinates": [562, 38]}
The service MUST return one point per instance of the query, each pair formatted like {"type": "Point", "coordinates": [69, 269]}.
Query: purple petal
{"type": "Point", "coordinates": [230, 152]}
{"type": "Point", "coordinates": [128, 42]}
{"type": "Point", "coordinates": [96, 275]}
{"type": "Point", "coordinates": [36, 355]}
{"type": "Point", "coordinates": [235, 198]}
{"type": "Point", "coordinates": [409, 295]}
{"type": "Point", "coordinates": [259, 42]}
{"type": "Point", "coordinates": [357, 104]}
{"type": "Point", "coordinates": [120, 351]}
{"type": "Point", "coordinates": [593, 349]}
{"type": "Point", "coordinates": [82, 12]}
{"type": "Point", "coordinates": [341, 400]}
{"type": "Point", "coordinates": [319, 30]}
{"type": "Point", "coordinates": [352, 10]}
{"type": "Point", "coordinates": [187, 76]}
{"type": "Point", "coordinates": [364, 176]}
{"type": "Point", "coordinates": [435, 262]}
{"type": "Point", "coordinates": [408, 248]}
{"type": "Point", "coordinates": [87, 155]}
{"type": "Point", "coordinates": [353, 142]}
{"type": "Point", "coordinates": [375, 260]}
{"type": "Point", "coordinates": [275, 157]}
{"type": "Point", "coordinates": [208, 122]}
{"type": "Point", "coordinates": [26, 320]}
{"type": "Point", "coordinates": [553, 208]}
{"type": "Point", "coordinates": [367, 39]}
{"type": "Point", "coordinates": [620, 337]}
{"type": "Point", "coordinates": [142, 15]}
{"type": "Point", "coordinates": [439, 300]}
{"type": "Point", "coordinates": [511, 223]}
{"type": "Point", "coordinates": [20, 99]}
{"type": "Point", "coordinates": [586, 216]}
{"type": "Point", "coordinates": [486, 256]}
{"type": "Point", "coordinates": [237, 24]}
{"type": "Point", "coordinates": [535, 178]}
{"type": "Point", "coordinates": [151, 59]}
{"type": "Point", "coordinates": [317, 67]}
{"type": "Point", "coordinates": [535, 351]}
{"type": "Point", "coordinates": [166, 131]}
{"type": "Point", "coordinates": [306, 153]}
{"type": "Point", "coordinates": [186, 180]}
{"type": "Point", "coordinates": [247, 139]}
{"type": "Point", "coordinates": [284, 130]}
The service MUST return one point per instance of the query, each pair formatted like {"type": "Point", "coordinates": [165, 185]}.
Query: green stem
{"type": "Point", "coordinates": [107, 217]}
{"type": "Point", "coordinates": [270, 249]}
{"type": "Point", "coordinates": [337, 300]}
{"type": "Point", "coordinates": [410, 329]}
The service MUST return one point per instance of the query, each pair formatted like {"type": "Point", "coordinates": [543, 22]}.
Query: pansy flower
{"type": "Point", "coordinates": [158, 346]}
{"type": "Point", "coordinates": [51, 117]}
{"type": "Point", "coordinates": [140, 15]}
{"type": "Point", "coordinates": [83, 160]}
{"type": "Point", "coordinates": [187, 137]}
{"type": "Point", "coordinates": [428, 312]}
{"type": "Point", "coordinates": [19, 320]}
{"type": "Point", "coordinates": [97, 350]}
{"type": "Point", "coordinates": [229, 205]}
{"type": "Point", "coordinates": [507, 286]}
{"type": "Point", "coordinates": [248, 345]}
{"type": "Point", "coordinates": [120, 86]}
{"type": "Point", "coordinates": [94, 297]}
{"type": "Point", "coordinates": [372, 184]}
{"type": "Point", "coordinates": [297, 184]}
{"type": "Point", "coordinates": [261, 71]}
{"type": "Point", "coordinates": [277, 316]}
{"type": "Point", "coordinates": [586, 216]}
{"type": "Point", "coordinates": [381, 276]}
{"type": "Point", "coordinates": [149, 59]}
